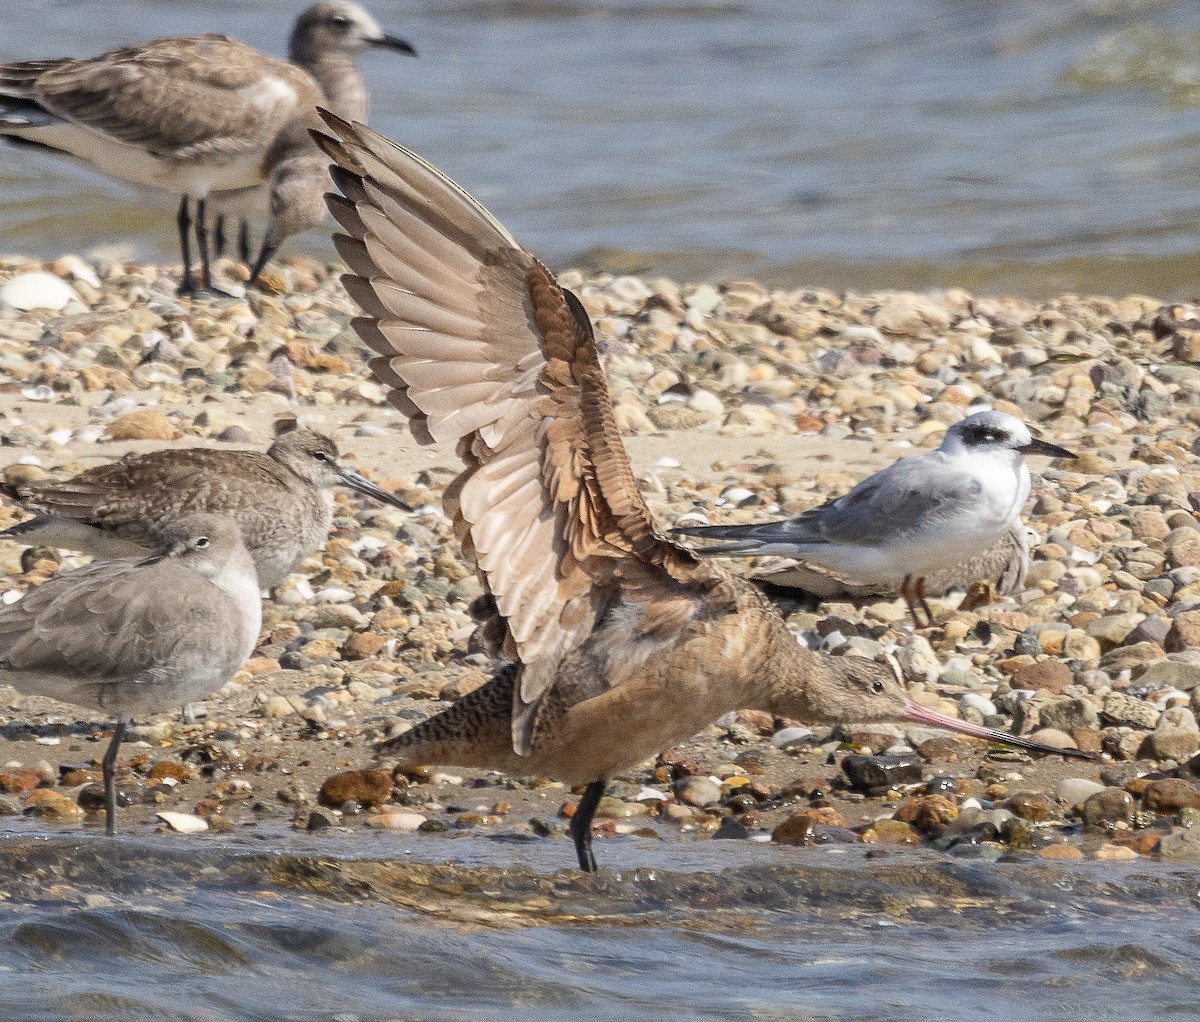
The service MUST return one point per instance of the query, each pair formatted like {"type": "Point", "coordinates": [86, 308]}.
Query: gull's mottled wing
{"type": "Point", "coordinates": [174, 97]}
{"type": "Point", "coordinates": [482, 347]}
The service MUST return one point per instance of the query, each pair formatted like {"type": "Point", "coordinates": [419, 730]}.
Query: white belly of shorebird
{"type": "Point", "coordinates": [196, 177]}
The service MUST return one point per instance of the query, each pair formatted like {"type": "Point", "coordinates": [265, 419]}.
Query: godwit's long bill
{"type": "Point", "coordinates": [618, 642]}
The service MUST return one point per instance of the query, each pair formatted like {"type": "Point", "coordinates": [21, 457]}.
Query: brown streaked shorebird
{"type": "Point", "coordinates": [915, 517]}
{"type": "Point", "coordinates": [200, 115]}
{"type": "Point", "coordinates": [619, 642]}
{"type": "Point", "coordinates": [140, 634]}
{"type": "Point", "coordinates": [281, 500]}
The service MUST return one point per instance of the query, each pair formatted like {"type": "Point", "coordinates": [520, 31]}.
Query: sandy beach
{"type": "Point", "coordinates": [737, 403]}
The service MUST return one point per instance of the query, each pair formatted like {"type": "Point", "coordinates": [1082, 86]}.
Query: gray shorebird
{"type": "Point", "coordinates": [1003, 567]}
{"type": "Point", "coordinates": [281, 500]}
{"type": "Point", "coordinates": [140, 634]}
{"type": "Point", "coordinates": [619, 642]}
{"type": "Point", "coordinates": [199, 115]}
{"type": "Point", "coordinates": [916, 517]}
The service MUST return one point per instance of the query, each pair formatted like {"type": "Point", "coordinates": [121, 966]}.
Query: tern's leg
{"type": "Point", "coordinates": [219, 236]}
{"type": "Point", "coordinates": [919, 587]}
{"type": "Point", "coordinates": [109, 764]}
{"type": "Point", "coordinates": [184, 222]}
{"type": "Point", "coordinates": [581, 825]}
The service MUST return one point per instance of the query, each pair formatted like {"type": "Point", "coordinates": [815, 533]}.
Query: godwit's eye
{"type": "Point", "coordinates": [321, 456]}
{"type": "Point", "coordinates": [201, 542]}
{"type": "Point", "coordinates": [877, 687]}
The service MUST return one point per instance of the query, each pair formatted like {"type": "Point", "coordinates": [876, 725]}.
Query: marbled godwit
{"type": "Point", "coordinates": [915, 517]}
{"type": "Point", "coordinates": [139, 634]}
{"type": "Point", "coordinates": [198, 115]}
{"type": "Point", "coordinates": [281, 500]}
{"type": "Point", "coordinates": [620, 642]}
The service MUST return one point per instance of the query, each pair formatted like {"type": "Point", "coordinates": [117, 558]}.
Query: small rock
{"type": "Point", "coordinates": [1170, 795]}
{"type": "Point", "coordinates": [366, 787]}
{"type": "Point", "coordinates": [144, 424]}
{"type": "Point", "coordinates": [1049, 675]}
{"type": "Point", "coordinates": [796, 830]}
{"type": "Point", "coordinates": [698, 791]}
{"type": "Point", "coordinates": [184, 823]}
{"type": "Point", "coordinates": [404, 822]}
{"type": "Point", "coordinates": [869, 773]}
{"type": "Point", "coordinates": [1108, 807]}
{"type": "Point", "coordinates": [1175, 737]}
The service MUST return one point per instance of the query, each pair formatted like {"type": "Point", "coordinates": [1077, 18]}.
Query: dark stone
{"type": "Point", "coordinates": [1170, 795]}
{"type": "Point", "coordinates": [874, 773]}
{"type": "Point", "coordinates": [796, 830]}
{"type": "Point", "coordinates": [941, 785]}
{"type": "Point", "coordinates": [730, 829]}
{"type": "Point", "coordinates": [1108, 807]}
{"type": "Point", "coordinates": [319, 819]}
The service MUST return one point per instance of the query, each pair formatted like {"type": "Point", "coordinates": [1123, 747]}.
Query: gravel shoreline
{"type": "Point", "coordinates": [738, 403]}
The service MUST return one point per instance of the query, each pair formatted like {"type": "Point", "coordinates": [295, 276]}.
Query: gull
{"type": "Point", "coordinates": [139, 634]}
{"type": "Point", "coordinates": [916, 517]}
{"type": "Point", "coordinates": [281, 500]}
{"type": "Point", "coordinates": [197, 115]}
{"type": "Point", "coordinates": [617, 642]}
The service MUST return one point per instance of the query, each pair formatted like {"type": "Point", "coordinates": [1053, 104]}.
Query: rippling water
{"type": "Point", "coordinates": [179, 930]}
{"type": "Point", "coordinates": [1015, 144]}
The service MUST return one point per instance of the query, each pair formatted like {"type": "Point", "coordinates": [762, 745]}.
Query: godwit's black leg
{"type": "Point", "coordinates": [244, 252]}
{"type": "Point", "coordinates": [919, 586]}
{"type": "Point", "coordinates": [219, 236]}
{"type": "Point", "coordinates": [581, 825]}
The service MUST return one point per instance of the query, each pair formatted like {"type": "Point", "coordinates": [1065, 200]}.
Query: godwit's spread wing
{"type": "Point", "coordinates": [481, 346]}
{"type": "Point", "coordinates": [174, 97]}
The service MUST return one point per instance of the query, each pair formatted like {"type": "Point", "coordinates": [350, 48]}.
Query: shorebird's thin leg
{"type": "Point", "coordinates": [244, 253]}
{"type": "Point", "coordinates": [919, 586]}
{"type": "Point", "coordinates": [202, 243]}
{"type": "Point", "coordinates": [581, 825]}
{"type": "Point", "coordinates": [219, 236]}
{"type": "Point", "coordinates": [906, 592]}
{"type": "Point", "coordinates": [109, 764]}
{"type": "Point", "coordinates": [186, 287]}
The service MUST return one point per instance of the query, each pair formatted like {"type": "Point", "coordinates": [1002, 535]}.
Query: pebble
{"type": "Point", "coordinates": [183, 823]}
{"type": "Point", "coordinates": [366, 787]}
{"type": "Point", "coordinates": [28, 291]}
{"type": "Point", "coordinates": [698, 791]}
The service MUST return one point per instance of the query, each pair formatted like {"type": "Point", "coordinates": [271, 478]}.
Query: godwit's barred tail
{"type": "Point", "coordinates": [620, 642]}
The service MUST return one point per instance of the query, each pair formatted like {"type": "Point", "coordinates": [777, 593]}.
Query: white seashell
{"type": "Point", "coordinates": [184, 823]}
{"type": "Point", "coordinates": [37, 291]}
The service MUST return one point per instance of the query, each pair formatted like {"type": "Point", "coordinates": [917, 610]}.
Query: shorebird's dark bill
{"type": "Point", "coordinates": [1045, 450]}
{"type": "Point", "coordinates": [364, 485]}
{"type": "Point", "coordinates": [919, 714]}
{"type": "Point", "coordinates": [391, 42]}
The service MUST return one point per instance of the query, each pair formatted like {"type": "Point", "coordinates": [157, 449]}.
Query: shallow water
{"type": "Point", "coordinates": [318, 929]}
{"type": "Point", "coordinates": [1000, 145]}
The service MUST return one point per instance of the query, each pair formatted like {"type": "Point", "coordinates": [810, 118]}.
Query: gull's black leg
{"type": "Point", "coordinates": [219, 236]}
{"type": "Point", "coordinates": [581, 825]}
{"type": "Point", "coordinates": [184, 222]}
{"type": "Point", "coordinates": [244, 252]}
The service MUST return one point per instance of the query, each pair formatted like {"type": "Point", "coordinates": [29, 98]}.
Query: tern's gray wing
{"type": "Point", "coordinates": [110, 620]}
{"type": "Point", "coordinates": [915, 494]}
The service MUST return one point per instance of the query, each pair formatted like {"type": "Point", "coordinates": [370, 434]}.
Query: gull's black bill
{"type": "Point", "coordinates": [391, 42]}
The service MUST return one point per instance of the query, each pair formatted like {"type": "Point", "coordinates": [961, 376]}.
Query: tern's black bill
{"type": "Point", "coordinates": [391, 42]}
{"type": "Point", "coordinates": [1045, 450]}
{"type": "Point", "coordinates": [365, 486]}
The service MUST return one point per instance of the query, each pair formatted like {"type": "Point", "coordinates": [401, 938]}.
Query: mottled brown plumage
{"type": "Point", "coordinates": [281, 500]}
{"type": "Point", "coordinates": [200, 115]}
{"type": "Point", "coordinates": [620, 641]}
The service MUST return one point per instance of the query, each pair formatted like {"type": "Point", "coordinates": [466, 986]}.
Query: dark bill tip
{"type": "Point", "coordinates": [919, 714]}
{"type": "Point", "coordinates": [365, 486]}
{"type": "Point", "coordinates": [391, 42]}
{"type": "Point", "coordinates": [1045, 450]}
